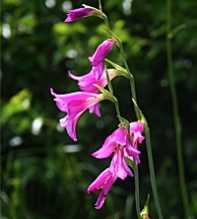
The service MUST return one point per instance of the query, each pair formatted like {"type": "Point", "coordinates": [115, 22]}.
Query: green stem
{"type": "Point", "coordinates": [137, 191]}
{"type": "Point", "coordinates": [152, 169]}
{"type": "Point", "coordinates": [175, 109]}
{"type": "Point", "coordinates": [100, 5]}
{"type": "Point", "coordinates": [150, 161]}
{"type": "Point", "coordinates": [132, 87]}
{"type": "Point", "coordinates": [116, 103]}
{"type": "Point", "coordinates": [131, 79]}
{"type": "Point", "coordinates": [110, 87]}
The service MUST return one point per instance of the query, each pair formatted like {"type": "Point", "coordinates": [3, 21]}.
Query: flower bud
{"type": "Point", "coordinates": [85, 11]}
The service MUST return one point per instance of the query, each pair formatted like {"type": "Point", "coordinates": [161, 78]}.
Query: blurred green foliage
{"type": "Point", "coordinates": [44, 175]}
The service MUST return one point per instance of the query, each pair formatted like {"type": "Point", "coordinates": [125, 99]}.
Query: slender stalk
{"type": "Point", "coordinates": [150, 160]}
{"type": "Point", "coordinates": [137, 191]}
{"type": "Point", "coordinates": [175, 109]}
{"type": "Point", "coordinates": [131, 79]}
{"type": "Point", "coordinates": [100, 5]}
{"type": "Point", "coordinates": [116, 103]}
{"type": "Point", "coordinates": [107, 75]}
{"type": "Point", "coordinates": [151, 169]}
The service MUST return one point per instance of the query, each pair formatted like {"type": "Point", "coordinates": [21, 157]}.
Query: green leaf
{"type": "Point", "coordinates": [122, 71]}
{"type": "Point", "coordinates": [18, 103]}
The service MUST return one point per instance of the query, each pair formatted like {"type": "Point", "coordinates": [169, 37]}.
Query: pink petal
{"type": "Point", "coordinates": [70, 123]}
{"type": "Point", "coordinates": [132, 153]}
{"type": "Point", "coordinates": [102, 51]}
{"type": "Point", "coordinates": [103, 194]}
{"type": "Point", "coordinates": [62, 100]}
{"type": "Point", "coordinates": [74, 104]}
{"type": "Point", "coordinates": [75, 109]}
{"type": "Point", "coordinates": [105, 151]}
{"type": "Point", "coordinates": [103, 183]}
{"type": "Point", "coordinates": [119, 165]}
{"type": "Point", "coordinates": [77, 14]}
{"type": "Point", "coordinates": [138, 137]}
{"type": "Point", "coordinates": [100, 180]}
{"type": "Point", "coordinates": [100, 200]}
{"type": "Point", "coordinates": [98, 70]}
{"type": "Point", "coordinates": [118, 137]}
{"type": "Point", "coordinates": [95, 109]}
{"type": "Point", "coordinates": [136, 127]}
{"type": "Point", "coordinates": [70, 126]}
{"type": "Point", "coordinates": [88, 81]}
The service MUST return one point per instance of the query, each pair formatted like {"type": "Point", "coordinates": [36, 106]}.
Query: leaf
{"type": "Point", "coordinates": [18, 103]}
{"type": "Point", "coordinates": [121, 70]}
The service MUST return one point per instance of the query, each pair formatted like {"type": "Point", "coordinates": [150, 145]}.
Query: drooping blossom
{"type": "Point", "coordinates": [102, 183]}
{"type": "Point", "coordinates": [74, 104]}
{"type": "Point", "coordinates": [119, 140]}
{"type": "Point", "coordinates": [121, 145]}
{"type": "Point", "coordinates": [116, 146]}
{"type": "Point", "coordinates": [78, 13]}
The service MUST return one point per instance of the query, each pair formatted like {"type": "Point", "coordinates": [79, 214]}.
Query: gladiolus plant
{"type": "Point", "coordinates": [123, 145]}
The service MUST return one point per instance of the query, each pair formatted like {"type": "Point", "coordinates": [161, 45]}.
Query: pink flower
{"type": "Point", "coordinates": [136, 129]}
{"type": "Point", "coordinates": [74, 104]}
{"type": "Point", "coordinates": [121, 144]}
{"type": "Point", "coordinates": [102, 183]}
{"type": "Point", "coordinates": [88, 81]}
{"type": "Point", "coordinates": [115, 145]}
{"type": "Point", "coordinates": [96, 77]}
{"type": "Point", "coordinates": [118, 144]}
{"type": "Point", "coordinates": [78, 13]}
{"type": "Point", "coordinates": [102, 51]}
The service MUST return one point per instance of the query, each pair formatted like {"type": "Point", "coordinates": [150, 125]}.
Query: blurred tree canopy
{"type": "Point", "coordinates": [44, 175]}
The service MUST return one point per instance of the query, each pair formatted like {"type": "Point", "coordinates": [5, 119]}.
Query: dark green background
{"type": "Point", "coordinates": [40, 178]}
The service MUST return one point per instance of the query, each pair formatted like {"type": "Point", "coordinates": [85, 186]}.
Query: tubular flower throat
{"type": "Point", "coordinates": [74, 104]}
